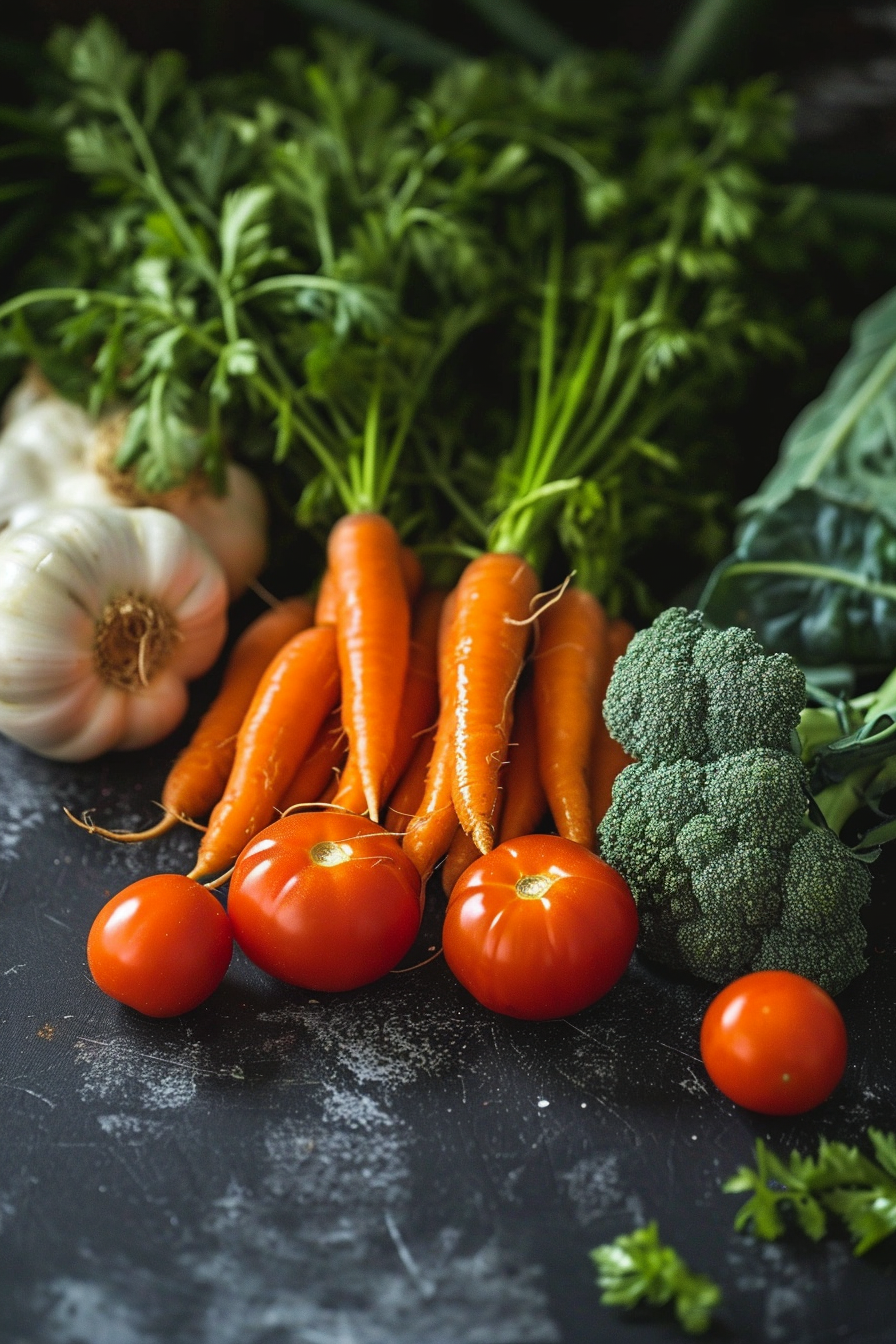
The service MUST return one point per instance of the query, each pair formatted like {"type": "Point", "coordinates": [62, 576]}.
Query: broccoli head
{"type": "Point", "coordinates": [710, 827]}
{"type": "Point", "coordinates": [685, 691]}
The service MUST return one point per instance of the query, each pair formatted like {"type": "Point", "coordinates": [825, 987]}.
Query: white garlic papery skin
{"type": "Point", "coordinates": [42, 448]}
{"type": "Point", "coordinates": [53, 455]}
{"type": "Point", "coordinates": [105, 615]}
{"type": "Point", "coordinates": [233, 526]}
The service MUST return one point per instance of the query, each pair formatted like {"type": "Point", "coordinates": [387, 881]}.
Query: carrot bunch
{"type": "Point", "coordinates": [503, 756]}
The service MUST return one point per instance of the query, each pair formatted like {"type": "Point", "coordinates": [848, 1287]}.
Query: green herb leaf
{"type": "Point", "coordinates": [841, 1180]}
{"type": "Point", "coordinates": [637, 1268]}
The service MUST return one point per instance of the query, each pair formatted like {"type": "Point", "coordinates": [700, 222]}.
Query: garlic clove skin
{"type": "Point", "coordinates": [233, 526]}
{"type": "Point", "coordinates": [105, 613]}
{"type": "Point", "coordinates": [31, 388]}
{"type": "Point", "coordinates": [53, 431]}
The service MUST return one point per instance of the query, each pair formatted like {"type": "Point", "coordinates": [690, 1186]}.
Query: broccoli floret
{"type": "Point", "coordinates": [710, 828]}
{"type": "Point", "coordinates": [684, 691]}
{"type": "Point", "coordinates": [819, 931]}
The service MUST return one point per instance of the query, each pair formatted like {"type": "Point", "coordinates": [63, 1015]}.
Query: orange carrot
{"type": "Point", "coordinates": [524, 801]}
{"type": "Point", "coordinates": [572, 635]}
{"type": "Point", "coordinates": [293, 698]}
{"type": "Point", "coordinates": [412, 573]}
{"type": "Point", "coordinates": [326, 608]}
{"type": "Point", "coordinates": [607, 757]}
{"type": "Point", "coordinates": [489, 637]}
{"type": "Point", "coordinates": [319, 767]}
{"type": "Point", "coordinates": [419, 703]}
{"type": "Point", "coordinates": [461, 853]}
{"type": "Point", "coordinates": [430, 830]}
{"type": "Point", "coordinates": [373, 631]}
{"type": "Point", "coordinates": [408, 793]}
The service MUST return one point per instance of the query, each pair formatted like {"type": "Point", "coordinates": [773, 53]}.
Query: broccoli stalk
{"type": "Point", "coordinates": [854, 768]}
{"type": "Point", "coordinates": [711, 826]}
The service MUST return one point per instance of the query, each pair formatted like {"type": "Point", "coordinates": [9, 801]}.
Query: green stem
{"type": "Point", "coordinates": [547, 346]}
{"type": "Point", "coordinates": [368, 501]}
{"type": "Point", "coordinates": [576, 388]}
{"type": "Point", "coordinates": [799, 569]}
{"type": "Point", "coordinates": [452, 494]}
{"type": "Point", "coordinates": [838, 802]}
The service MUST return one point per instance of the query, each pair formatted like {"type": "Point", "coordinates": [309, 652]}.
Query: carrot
{"type": "Point", "coordinates": [199, 775]}
{"type": "Point", "coordinates": [326, 609]}
{"type": "Point", "coordinates": [430, 830]}
{"type": "Point", "coordinates": [607, 757]}
{"type": "Point", "coordinates": [319, 767]}
{"type": "Point", "coordinates": [572, 634]}
{"type": "Point", "coordinates": [372, 628]}
{"type": "Point", "coordinates": [524, 801]}
{"type": "Point", "coordinates": [419, 703]}
{"type": "Point", "coordinates": [489, 638]}
{"type": "Point", "coordinates": [462, 852]}
{"type": "Point", "coordinates": [293, 698]}
{"type": "Point", "coordinates": [408, 793]}
{"type": "Point", "coordinates": [412, 573]}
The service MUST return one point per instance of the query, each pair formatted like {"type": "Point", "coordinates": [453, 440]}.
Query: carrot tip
{"type": "Point", "coordinates": [483, 837]}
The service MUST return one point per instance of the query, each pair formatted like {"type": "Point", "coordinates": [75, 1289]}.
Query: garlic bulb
{"type": "Point", "coordinates": [233, 525]}
{"type": "Point", "coordinates": [105, 614]}
{"type": "Point", "coordinates": [52, 454]}
{"type": "Point", "coordinates": [44, 443]}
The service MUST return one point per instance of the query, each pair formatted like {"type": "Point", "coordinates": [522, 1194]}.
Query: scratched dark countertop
{"type": "Point", "coordinates": [393, 1166]}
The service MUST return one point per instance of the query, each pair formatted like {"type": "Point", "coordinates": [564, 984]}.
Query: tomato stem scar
{"type": "Point", "coordinates": [533, 886]}
{"type": "Point", "coordinates": [328, 853]}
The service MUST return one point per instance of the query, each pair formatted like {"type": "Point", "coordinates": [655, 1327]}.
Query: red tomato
{"type": "Point", "coordinates": [324, 900]}
{"type": "Point", "coordinates": [161, 946]}
{"type": "Point", "coordinates": [774, 1042]}
{"type": "Point", "coordinates": [539, 928]}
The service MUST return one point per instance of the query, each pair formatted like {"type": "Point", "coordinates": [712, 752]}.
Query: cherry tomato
{"type": "Point", "coordinates": [161, 946]}
{"type": "Point", "coordinates": [539, 928]}
{"type": "Point", "coordinates": [327, 901]}
{"type": "Point", "coordinates": [774, 1042]}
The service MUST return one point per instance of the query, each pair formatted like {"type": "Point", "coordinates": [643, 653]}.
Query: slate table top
{"type": "Point", "coordinates": [392, 1166]}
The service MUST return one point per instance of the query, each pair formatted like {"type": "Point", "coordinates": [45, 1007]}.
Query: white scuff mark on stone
{"type": "Point", "coordinates": [693, 1084]}
{"type": "Point", "coordinates": [342, 1182]}
{"type": "Point", "coordinates": [596, 1187]}
{"type": "Point", "coordinates": [115, 1069]}
{"type": "Point", "coordinates": [483, 1297]}
{"type": "Point", "coordinates": [82, 1312]}
{"type": "Point", "coordinates": [130, 1127]}
{"type": "Point", "coordinates": [355, 1109]}
{"type": "Point", "coordinates": [373, 1044]}
{"type": "Point", "coordinates": [23, 802]}
{"type": "Point", "coordinates": [426, 1288]}
{"type": "Point", "coordinates": [333, 1169]}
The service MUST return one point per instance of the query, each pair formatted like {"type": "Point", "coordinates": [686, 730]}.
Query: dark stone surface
{"type": "Point", "coordinates": [393, 1166]}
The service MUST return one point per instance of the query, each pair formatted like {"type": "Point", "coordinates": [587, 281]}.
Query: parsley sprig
{"type": "Point", "coordinates": [840, 1180]}
{"type": "Point", "coordinates": [637, 1268]}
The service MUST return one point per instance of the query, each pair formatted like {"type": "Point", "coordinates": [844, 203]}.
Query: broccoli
{"type": "Point", "coordinates": [711, 826]}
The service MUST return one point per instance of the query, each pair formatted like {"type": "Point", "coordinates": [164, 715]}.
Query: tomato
{"type": "Point", "coordinates": [161, 946]}
{"type": "Point", "coordinates": [774, 1042]}
{"type": "Point", "coordinates": [326, 901]}
{"type": "Point", "coordinates": [539, 928]}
